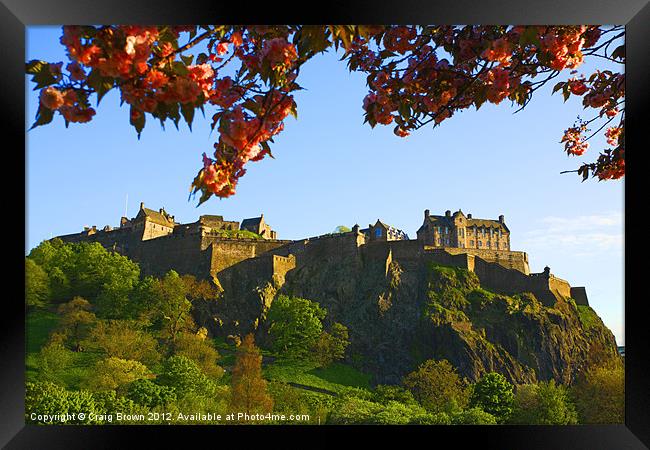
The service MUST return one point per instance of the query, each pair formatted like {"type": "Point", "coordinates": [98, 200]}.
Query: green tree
{"type": "Point", "coordinates": [248, 388]}
{"type": "Point", "coordinates": [124, 339]}
{"type": "Point", "coordinates": [473, 416]}
{"type": "Point", "coordinates": [543, 404]}
{"type": "Point", "coordinates": [437, 386]}
{"type": "Point", "coordinates": [184, 376]}
{"type": "Point", "coordinates": [599, 394]}
{"type": "Point", "coordinates": [295, 325]}
{"type": "Point", "coordinates": [114, 373]}
{"type": "Point", "coordinates": [494, 395]}
{"type": "Point", "coordinates": [52, 360]}
{"type": "Point", "coordinates": [331, 345]}
{"type": "Point", "coordinates": [110, 403]}
{"type": "Point", "coordinates": [342, 229]}
{"type": "Point", "coordinates": [171, 306]}
{"type": "Point", "coordinates": [386, 393]}
{"type": "Point", "coordinates": [76, 319]}
{"type": "Point", "coordinates": [37, 285]}
{"type": "Point", "coordinates": [201, 351]}
{"type": "Point", "coordinates": [44, 399]}
{"type": "Point", "coordinates": [147, 393]}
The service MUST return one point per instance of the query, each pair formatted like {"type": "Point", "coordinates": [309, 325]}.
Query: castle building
{"type": "Point", "coordinates": [206, 249]}
{"type": "Point", "coordinates": [383, 232]}
{"type": "Point", "coordinates": [461, 231]}
{"type": "Point", "coordinates": [258, 226]}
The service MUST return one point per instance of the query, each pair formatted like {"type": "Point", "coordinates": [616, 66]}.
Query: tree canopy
{"type": "Point", "coordinates": [416, 76]}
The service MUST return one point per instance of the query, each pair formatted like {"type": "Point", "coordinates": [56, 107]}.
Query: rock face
{"type": "Point", "coordinates": [402, 312]}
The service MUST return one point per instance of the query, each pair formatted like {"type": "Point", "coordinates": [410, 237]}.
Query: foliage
{"type": "Point", "coordinates": [44, 399]}
{"type": "Point", "coordinates": [146, 392]}
{"type": "Point", "coordinates": [170, 306]}
{"type": "Point", "coordinates": [76, 318]}
{"type": "Point", "coordinates": [436, 386]}
{"type": "Point", "coordinates": [37, 285]}
{"type": "Point", "coordinates": [124, 339]}
{"type": "Point", "coordinates": [87, 270]}
{"type": "Point", "coordinates": [201, 351]}
{"type": "Point", "coordinates": [185, 377]}
{"type": "Point", "coordinates": [113, 373]}
{"type": "Point", "coordinates": [342, 229]}
{"type": "Point", "coordinates": [416, 76]}
{"type": "Point", "coordinates": [53, 359]}
{"type": "Point", "coordinates": [599, 394]}
{"type": "Point", "coordinates": [331, 345]}
{"type": "Point", "coordinates": [110, 403]}
{"type": "Point", "coordinates": [295, 325]}
{"type": "Point", "coordinates": [287, 400]}
{"type": "Point", "coordinates": [248, 388]}
{"type": "Point", "coordinates": [473, 416]}
{"type": "Point", "coordinates": [387, 393]}
{"type": "Point", "coordinates": [545, 403]}
{"type": "Point", "coordinates": [588, 317]}
{"type": "Point", "coordinates": [494, 395]}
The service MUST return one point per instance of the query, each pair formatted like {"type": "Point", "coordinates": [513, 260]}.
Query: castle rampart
{"type": "Point", "coordinates": [205, 249]}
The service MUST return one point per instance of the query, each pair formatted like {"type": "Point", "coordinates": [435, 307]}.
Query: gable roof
{"type": "Point", "coordinates": [445, 221]}
{"type": "Point", "coordinates": [251, 223]}
{"type": "Point", "coordinates": [157, 217]}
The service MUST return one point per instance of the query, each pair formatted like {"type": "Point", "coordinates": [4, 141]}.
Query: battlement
{"type": "Point", "coordinates": [209, 248]}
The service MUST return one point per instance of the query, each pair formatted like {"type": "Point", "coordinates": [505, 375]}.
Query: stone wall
{"type": "Point", "coordinates": [509, 259]}
{"type": "Point", "coordinates": [225, 252]}
{"type": "Point", "coordinates": [579, 294]}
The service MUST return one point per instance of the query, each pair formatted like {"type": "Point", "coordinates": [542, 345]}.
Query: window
{"type": "Point", "coordinates": [446, 230]}
{"type": "Point", "coordinates": [479, 244]}
{"type": "Point", "coordinates": [488, 245]}
{"type": "Point", "coordinates": [378, 232]}
{"type": "Point", "coordinates": [471, 243]}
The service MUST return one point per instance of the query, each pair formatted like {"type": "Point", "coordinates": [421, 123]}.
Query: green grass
{"type": "Point", "coordinates": [334, 378]}
{"type": "Point", "coordinates": [588, 317]}
{"type": "Point", "coordinates": [39, 325]}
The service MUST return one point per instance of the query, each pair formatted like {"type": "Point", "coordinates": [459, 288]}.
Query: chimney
{"type": "Point", "coordinates": [355, 228]}
{"type": "Point", "coordinates": [141, 205]}
{"type": "Point", "coordinates": [469, 216]}
{"type": "Point", "coordinates": [448, 213]}
{"type": "Point", "coordinates": [426, 214]}
{"type": "Point", "coordinates": [501, 218]}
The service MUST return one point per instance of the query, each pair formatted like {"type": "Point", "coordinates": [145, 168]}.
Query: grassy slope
{"type": "Point", "coordinates": [39, 325]}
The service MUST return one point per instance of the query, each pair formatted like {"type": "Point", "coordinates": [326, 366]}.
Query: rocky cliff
{"type": "Point", "coordinates": [402, 312]}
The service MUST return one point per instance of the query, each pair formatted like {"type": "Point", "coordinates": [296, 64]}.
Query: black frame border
{"type": "Point", "coordinates": [16, 15]}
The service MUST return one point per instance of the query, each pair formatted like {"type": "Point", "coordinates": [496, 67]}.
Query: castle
{"type": "Point", "coordinates": [212, 248]}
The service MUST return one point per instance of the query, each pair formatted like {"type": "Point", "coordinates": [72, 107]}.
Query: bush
{"type": "Point", "coordinates": [147, 393]}
{"type": "Point", "coordinates": [599, 394]}
{"type": "Point", "coordinates": [436, 386]}
{"type": "Point", "coordinates": [184, 375]}
{"type": "Point", "coordinates": [331, 346]}
{"type": "Point", "coordinates": [473, 416]}
{"type": "Point", "coordinates": [295, 325]}
{"type": "Point", "coordinates": [201, 351]}
{"type": "Point", "coordinates": [44, 399]}
{"type": "Point", "coordinates": [494, 395]}
{"type": "Point", "coordinates": [543, 404]}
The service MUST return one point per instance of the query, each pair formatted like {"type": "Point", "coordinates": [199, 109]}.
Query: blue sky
{"type": "Point", "coordinates": [330, 169]}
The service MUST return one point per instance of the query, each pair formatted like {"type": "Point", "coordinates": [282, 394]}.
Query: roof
{"type": "Point", "coordinates": [253, 222]}
{"type": "Point", "coordinates": [448, 221]}
{"type": "Point", "coordinates": [158, 217]}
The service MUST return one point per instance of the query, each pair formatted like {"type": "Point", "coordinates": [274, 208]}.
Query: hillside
{"type": "Point", "coordinates": [401, 313]}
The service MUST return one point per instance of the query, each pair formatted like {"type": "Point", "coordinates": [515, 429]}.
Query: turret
{"type": "Point", "coordinates": [426, 214]}
{"type": "Point", "coordinates": [502, 218]}
{"type": "Point", "coordinates": [448, 213]}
